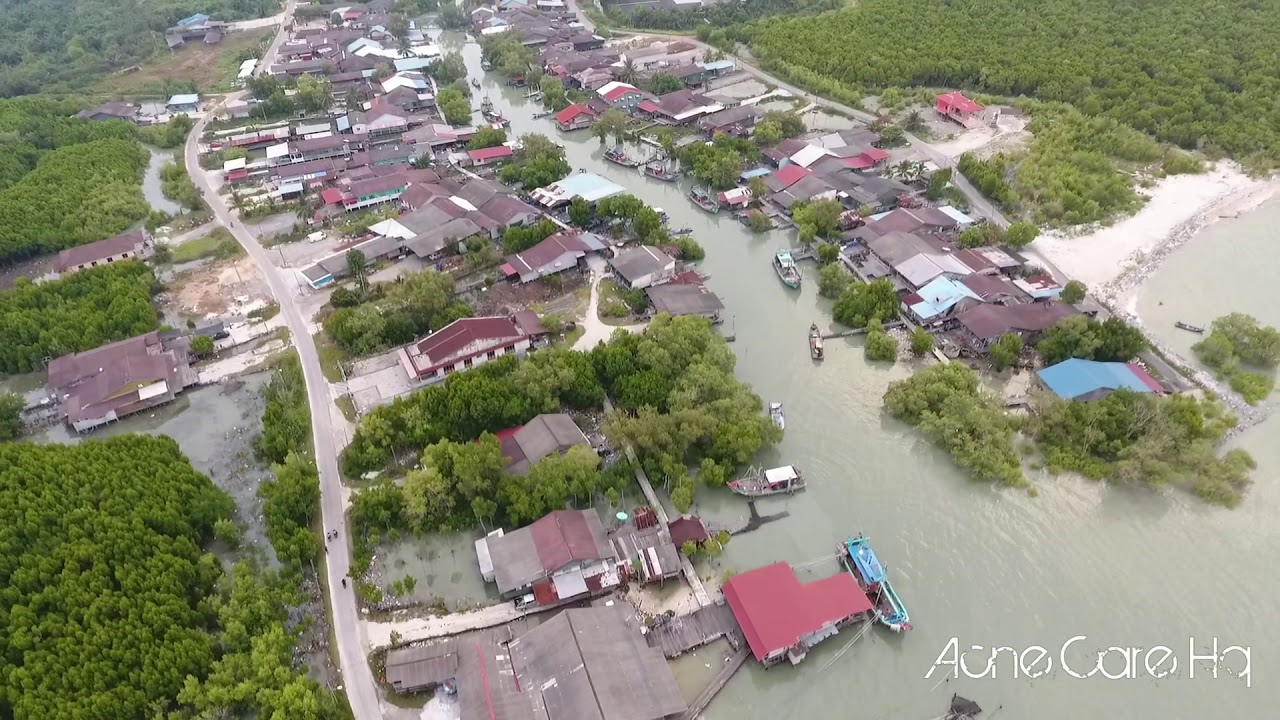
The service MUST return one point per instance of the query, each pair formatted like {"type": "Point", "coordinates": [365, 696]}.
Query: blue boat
{"type": "Point", "coordinates": [866, 567]}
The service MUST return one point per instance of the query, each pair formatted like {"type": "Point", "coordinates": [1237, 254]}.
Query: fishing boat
{"type": "Point", "coordinates": [682, 231]}
{"type": "Point", "coordinates": [815, 342]}
{"type": "Point", "coordinates": [663, 217]}
{"type": "Point", "coordinates": [1188, 327]}
{"type": "Point", "coordinates": [704, 199]}
{"type": "Point", "coordinates": [785, 266]}
{"type": "Point", "coordinates": [486, 105]}
{"type": "Point", "coordinates": [774, 481]}
{"type": "Point", "coordinates": [866, 568]}
{"type": "Point", "coordinates": [661, 172]}
{"type": "Point", "coordinates": [486, 65]}
{"type": "Point", "coordinates": [775, 412]}
{"type": "Point", "coordinates": [618, 156]}
{"type": "Point", "coordinates": [475, 82]}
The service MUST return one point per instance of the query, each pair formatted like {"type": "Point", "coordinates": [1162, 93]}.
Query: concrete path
{"type": "Point", "coordinates": [378, 634]}
{"type": "Point", "coordinates": [358, 682]}
{"type": "Point", "coordinates": [596, 330]}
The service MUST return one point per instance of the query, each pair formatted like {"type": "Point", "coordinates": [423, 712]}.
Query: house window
{"type": "Point", "coordinates": [510, 348]}
{"type": "Point", "coordinates": [108, 259]}
{"type": "Point", "coordinates": [492, 354]}
{"type": "Point", "coordinates": [93, 264]}
{"type": "Point", "coordinates": [449, 368]}
{"type": "Point", "coordinates": [466, 363]}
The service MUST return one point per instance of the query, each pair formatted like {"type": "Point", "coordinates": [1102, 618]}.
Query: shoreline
{"type": "Point", "coordinates": [1116, 261]}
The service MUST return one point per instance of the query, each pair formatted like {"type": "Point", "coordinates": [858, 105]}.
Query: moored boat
{"type": "Point", "coordinates": [1188, 327]}
{"type": "Point", "coordinates": [774, 481]}
{"type": "Point", "coordinates": [682, 231]}
{"type": "Point", "coordinates": [870, 574]}
{"type": "Point", "coordinates": [486, 105]}
{"type": "Point", "coordinates": [779, 419]}
{"type": "Point", "coordinates": [486, 65]}
{"type": "Point", "coordinates": [661, 172]}
{"type": "Point", "coordinates": [785, 265]}
{"type": "Point", "coordinates": [704, 199]}
{"type": "Point", "coordinates": [815, 342]}
{"type": "Point", "coordinates": [618, 156]}
{"type": "Point", "coordinates": [475, 82]}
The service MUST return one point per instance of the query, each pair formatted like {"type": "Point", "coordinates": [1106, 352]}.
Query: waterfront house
{"type": "Point", "coordinates": [782, 618]}
{"type": "Point", "coordinates": [588, 186]}
{"type": "Point", "coordinates": [562, 556]}
{"type": "Point", "coordinates": [676, 298]}
{"type": "Point", "coordinates": [111, 111]}
{"type": "Point", "coordinates": [488, 156]}
{"type": "Point", "coordinates": [461, 345]}
{"type": "Point", "coordinates": [910, 220]}
{"type": "Point", "coordinates": [1082, 380]}
{"type": "Point", "coordinates": [545, 435]}
{"type": "Point", "coordinates": [978, 327]}
{"type": "Point", "coordinates": [179, 104]}
{"type": "Point", "coordinates": [592, 78]}
{"type": "Point", "coordinates": [644, 545]}
{"type": "Point", "coordinates": [957, 107]}
{"type": "Point", "coordinates": [116, 380]}
{"type": "Point", "coordinates": [936, 299]}
{"type": "Point", "coordinates": [642, 266]}
{"type": "Point", "coordinates": [735, 121]}
{"type": "Point", "coordinates": [557, 253]}
{"type": "Point", "coordinates": [677, 108]}
{"type": "Point", "coordinates": [620, 95]}
{"type": "Point", "coordinates": [575, 117]}
{"type": "Point", "coordinates": [125, 246]}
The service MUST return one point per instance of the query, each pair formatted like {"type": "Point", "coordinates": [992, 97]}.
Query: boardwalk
{"type": "Point", "coordinates": [717, 684]}
{"type": "Point", "coordinates": [690, 575]}
{"type": "Point", "coordinates": [683, 633]}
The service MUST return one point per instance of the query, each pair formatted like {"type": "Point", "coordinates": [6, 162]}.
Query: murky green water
{"type": "Point", "coordinates": [987, 566]}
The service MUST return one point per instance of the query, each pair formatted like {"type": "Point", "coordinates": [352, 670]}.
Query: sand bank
{"type": "Point", "coordinates": [1112, 260]}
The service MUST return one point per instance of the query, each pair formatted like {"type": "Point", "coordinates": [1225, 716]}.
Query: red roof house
{"type": "Point", "coordinates": [489, 155]}
{"type": "Point", "coordinates": [786, 177]}
{"type": "Point", "coordinates": [462, 344]}
{"type": "Point", "coordinates": [959, 108]}
{"type": "Point", "coordinates": [867, 159]}
{"type": "Point", "coordinates": [575, 117]}
{"type": "Point", "coordinates": [783, 617]}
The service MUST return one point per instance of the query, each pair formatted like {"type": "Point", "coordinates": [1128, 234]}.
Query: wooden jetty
{"type": "Point", "coordinates": [717, 684]}
{"type": "Point", "coordinates": [862, 331]}
{"type": "Point", "coordinates": [679, 634]}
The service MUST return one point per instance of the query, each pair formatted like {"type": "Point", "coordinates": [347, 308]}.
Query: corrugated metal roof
{"type": "Point", "coordinates": [1075, 378]}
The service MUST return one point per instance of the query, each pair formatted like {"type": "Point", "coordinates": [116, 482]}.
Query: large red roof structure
{"type": "Point", "coordinates": [775, 609]}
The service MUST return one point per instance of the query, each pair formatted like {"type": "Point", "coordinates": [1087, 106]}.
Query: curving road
{"type": "Point", "coordinates": [357, 677]}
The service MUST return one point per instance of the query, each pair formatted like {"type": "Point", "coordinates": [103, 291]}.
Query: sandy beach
{"type": "Point", "coordinates": [1113, 260]}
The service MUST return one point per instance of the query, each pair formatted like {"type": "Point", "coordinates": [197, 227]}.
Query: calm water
{"type": "Point", "coordinates": [987, 566]}
{"type": "Point", "coordinates": [151, 189]}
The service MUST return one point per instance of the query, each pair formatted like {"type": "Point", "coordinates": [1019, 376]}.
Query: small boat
{"type": "Point", "coordinates": [962, 709]}
{"type": "Point", "coordinates": [663, 217]}
{"type": "Point", "coordinates": [1188, 327]}
{"type": "Point", "coordinates": [486, 105]}
{"type": "Point", "coordinates": [704, 199]}
{"type": "Point", "coordinates": [475, 82]}
{"type": "Point", "coordinates": [534, 94]}
{"type": "Point", "coordinates": [540, 115]}
{"type": "Point", "coordinates": [661, 172]}
{"type": "Point", "coordinates": [486, 65]}
{"type": "Point", "coordinates": [785, 266]}
{"type": "Point", "coordinates": [618, 156]}
{"type": "Point", "coordinates": [681, 231]}
{"type": "Point", "coordinates": [866, 568]}
{"type": "Point", "coordinates": [496, 118]}
{"type": "Point", "coordinates": [774, 481]}
{"type": "Point", "coordinates": [815, 342]}
{"type": "Point", "coordinates": [775, 412]}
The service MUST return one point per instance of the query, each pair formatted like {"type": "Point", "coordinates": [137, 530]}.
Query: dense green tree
{"type": "Point", "coordinates": [1074, 292]}
{"type": "Point", "coordinates": [823, 215]}
{"type": "Point", "coordinates": [522, 237]}
{"type": "Point", "coordinates": [314, 94]}
{"type": "Point", "coordinates": [454, 106]}
{"type": "Point", "coordinates": [553, 93]}
{"type": "Point", "coordinates": [486, 138]}
{"type": "Point", "coordinates": [202, 345]}
{"type": "Point", "coordinates": [938, 182]}
{"type": "Point", "coordinates": [11, 405]}
{"type": "Point", "coordinates": [356, 264]}
{"type": "Point", "coordinates": [1005, 350]}
{"type": "Point", "coordinates": [1081, 337]}
{"type": "Point", "coordinates": [581, 213]}
{"type": "Point", "coordinates": [767, 134]}
{"type": "Point", "coordinates": [832, 280]}
{"type": "Point", "coordinates": [286, 417]}
{"type": "Point", "coordinates": [105, 602]}
{"type": "Point", "coordinates": [720, 163]}
{"type": "Point", "coordinates": [880, 346]}
{"type": "Point", "coordinates": [1254, 343]}
{"type": "Point", "coordinates": [662, 82]}
{"type": "Point", "coordinates": [921, 342]}
{"type": "Point", "coordinates": [981, 235]}
{"type": "Point", "coordinates": [290, 503]}
{"type": "Point", "coordinates": [862, 302]}
{"type": "Point", "coordinates": [78, 312]}
{"type": "Point", "coordinates": [945, 402]}
{"type": "Point", "coordinates": [1020, 234]}
{"type": "Point", "coordinates": [538, 162]}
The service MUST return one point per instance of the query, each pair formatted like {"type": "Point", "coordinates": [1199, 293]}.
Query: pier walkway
{"type": "Point", "coordinates": [683, 633]}
{"type": "Point", "coordinates": [717, 684]}
{"type": "Point", "coordinates": [690, 574]}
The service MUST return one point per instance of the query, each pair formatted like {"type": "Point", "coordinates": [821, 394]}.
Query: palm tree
{"type": "Point", "coordinates": [629, 74]}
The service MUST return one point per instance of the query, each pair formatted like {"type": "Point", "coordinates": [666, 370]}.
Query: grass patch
{"type": "Point", "coordinates": [574, 335]}
{"type": "Point", "coordinates": [347, 406]}
{"type": "Point", "coordinates": [265, 313]}
{"type": "Point", "coordinates": [617, 304]}
{"type": "Point", "coordinates": [211, 68]}
{"type": "Point", "coordinates": [330, 355]}
{"type": "Point", "coordinates": [217, 244]}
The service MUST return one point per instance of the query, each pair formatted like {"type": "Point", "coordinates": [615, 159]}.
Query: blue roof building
{"type": "Point", "coordinates": [197, 19]}
{"type": "Point", "coordinates": [938, 296]}
{"type": "Point", "coordinates": [588, 186]}
{"type": "Point", "coordinates": [1077, 379]}
{"type": "Point", "coordinates": [183, 103]}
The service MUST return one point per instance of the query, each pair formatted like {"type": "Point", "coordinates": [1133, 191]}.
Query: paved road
{"type": "Point", "coordinates": [284, 18]}
{"type": "Point", "coordinates": [358, 678]}
{"type": "Point", "coordinates": [979, 203]}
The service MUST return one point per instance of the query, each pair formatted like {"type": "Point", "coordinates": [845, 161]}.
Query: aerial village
{"type": "Point", "coordinates": [385, 186]}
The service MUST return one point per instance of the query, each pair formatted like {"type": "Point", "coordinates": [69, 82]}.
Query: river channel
{"type": "Point", "coordinates": [987, 566]}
